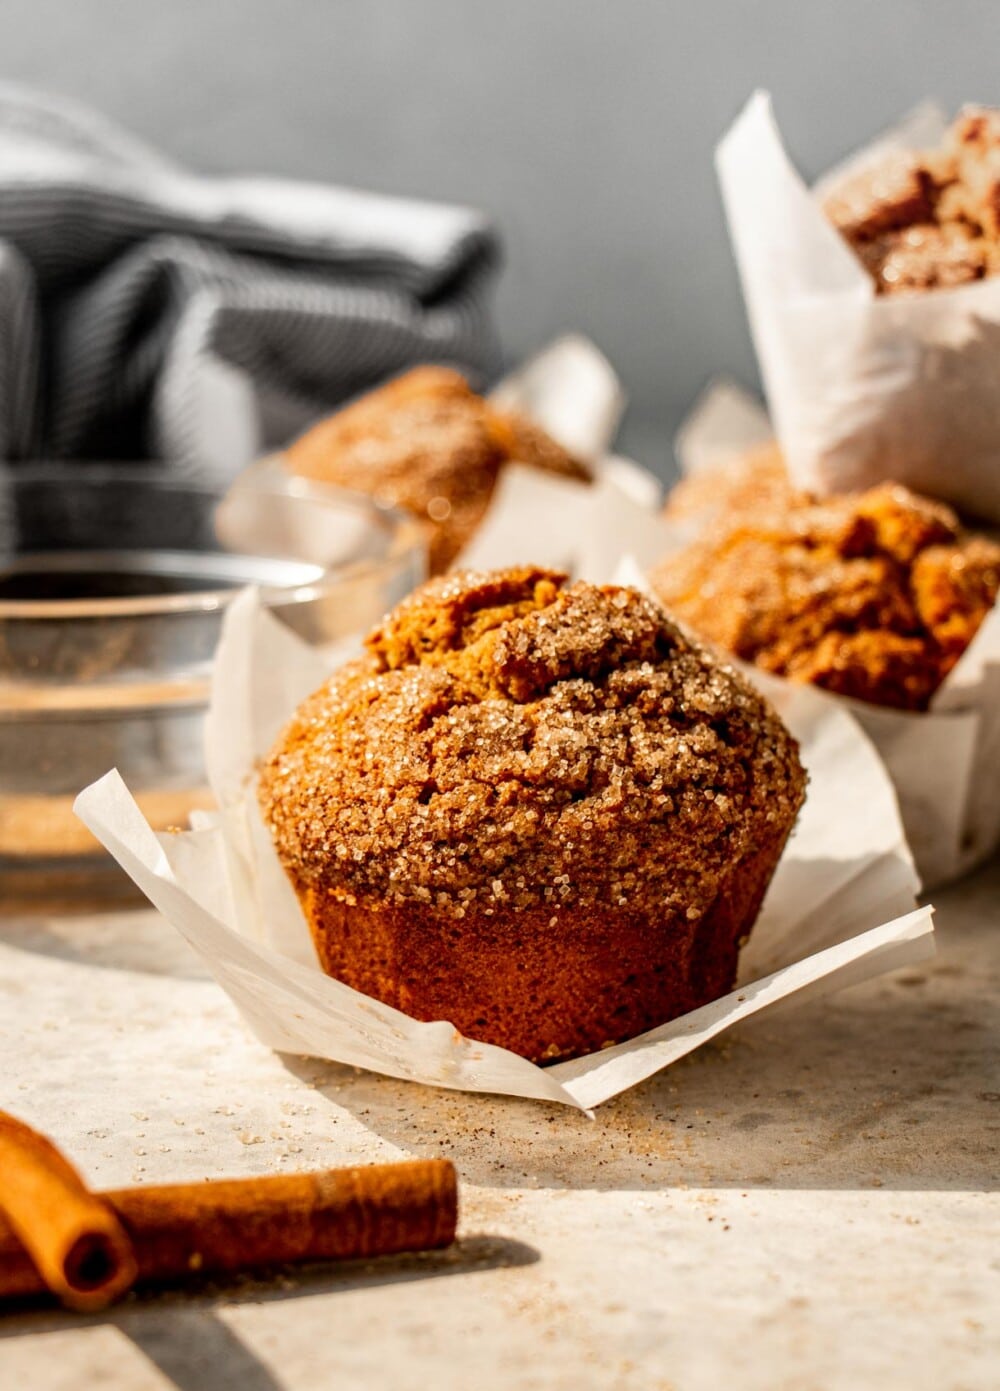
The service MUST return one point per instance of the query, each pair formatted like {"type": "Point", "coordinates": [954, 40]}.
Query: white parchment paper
{"type": "Point", "coordinates": [945, 764]}
{"type": "Point", "coordinates": [861, 387]}
{"type": "Point", "coordinates": [572, 391]}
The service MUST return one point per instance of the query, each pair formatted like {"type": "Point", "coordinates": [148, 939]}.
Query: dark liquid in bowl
{"type": "Point", "coordinates": [105, 584]}
{"type": "Point", "coordinates": [61, 576]}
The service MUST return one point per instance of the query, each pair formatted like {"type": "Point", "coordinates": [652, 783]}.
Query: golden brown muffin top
{"type": "Point", "coordinates": [874, 595]}
{"type": "Point", "coordinates": [428, 443]}
{"type": "Point", "coordinates": [512, 740]}
{"type": "Point", "coordinates": [754, 481]}
{"type": "Point", "coordinates": [928, 219]}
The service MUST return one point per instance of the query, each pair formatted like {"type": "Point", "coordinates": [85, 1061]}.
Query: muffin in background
{"type": "Point", "coordinates": [873, 595]}
{"type": "Point", "coordinates": [922, 220]}
{"type": "Point", "coordinates": [754, 482]}
{"type": "Point", "coordinates": [534, 809]}
{"type": "Point", "coordinates": [428, 443]}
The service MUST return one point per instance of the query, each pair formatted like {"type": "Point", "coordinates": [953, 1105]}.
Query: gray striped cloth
{"type": "Point", "coordinates": [147, 312]}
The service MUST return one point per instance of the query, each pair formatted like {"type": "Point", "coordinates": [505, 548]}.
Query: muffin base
{"type": "Point", "coordinates": [545, 984]}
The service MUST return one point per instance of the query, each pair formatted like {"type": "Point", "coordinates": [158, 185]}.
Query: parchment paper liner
{"type": "Point", "coordinates": [861, 387]}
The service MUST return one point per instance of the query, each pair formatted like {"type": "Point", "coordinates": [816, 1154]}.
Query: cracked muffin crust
{"type": "Point", "coordinates": [874, 595]}
{"type": "Point", "coordinates": [534, 809]}
{"type": "Point", "coordinates": [428, 443]}
{"type": "Point", "coordinates": [921, 220]}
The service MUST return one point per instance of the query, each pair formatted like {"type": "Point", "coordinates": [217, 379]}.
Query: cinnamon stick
{"type": "Point", "coordinates": [230, 1225]}
{"type": "Point", "coordinates": [70, 1238]}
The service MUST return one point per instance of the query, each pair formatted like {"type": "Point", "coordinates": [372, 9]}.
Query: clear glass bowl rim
{"type": "Point", "coordinates": [406, 542]}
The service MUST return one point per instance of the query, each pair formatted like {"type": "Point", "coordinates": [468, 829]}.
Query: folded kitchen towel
{"type": "Point", "coordinates": [148, 312]}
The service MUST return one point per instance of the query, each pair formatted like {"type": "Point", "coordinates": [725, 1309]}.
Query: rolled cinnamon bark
{"type": "Point", "coordinates": [69, 1238]}
{"type": "Point", "coordinates": [231, 1225]}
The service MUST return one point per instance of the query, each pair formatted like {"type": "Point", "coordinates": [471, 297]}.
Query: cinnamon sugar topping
{"type": "Point", "coordinates": [873, 595]}
{"type": "Point", "coordinates": [920, 220]}
{"type": "Point", "coordinates": [511, 740]}
{"type": "Point", "coordinates": [427, 442]}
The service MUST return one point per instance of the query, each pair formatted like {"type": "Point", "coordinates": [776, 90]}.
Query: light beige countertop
{"type": "Point", "coordinates": [811, 1204]}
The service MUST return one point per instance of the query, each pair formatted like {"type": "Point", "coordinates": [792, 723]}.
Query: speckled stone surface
{"type": "Point", "coordinates": [810, 1205]}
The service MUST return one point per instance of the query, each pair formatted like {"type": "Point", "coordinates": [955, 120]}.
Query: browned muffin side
{"type": "Point", "coordinates": [428, 443]}
{"type": "Point", "coordinates": [928, 219]}
{"type": "Point", "coordinates": [534, 809]}
{"type": "Point", "coordinates": [873, 595]}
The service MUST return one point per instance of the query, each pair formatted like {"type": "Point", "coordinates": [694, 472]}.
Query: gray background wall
{"type": "Point", "coordinates": [585, 127]}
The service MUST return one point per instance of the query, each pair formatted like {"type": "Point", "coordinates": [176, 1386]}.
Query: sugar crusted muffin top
{"type": "Point", "coordinates": [927, 219]}
{"type": "Point", "coordinates": [873, 595]}
{"type": "Point", "coordinates": [511, 740]}
{"type": "Point", "coordinates": [427, 442]}
{"type": "Point", "coordinates": [751, 482]}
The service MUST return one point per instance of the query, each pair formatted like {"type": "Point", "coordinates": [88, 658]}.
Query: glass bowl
{"type": "Point", "coordinates": [113, 584]}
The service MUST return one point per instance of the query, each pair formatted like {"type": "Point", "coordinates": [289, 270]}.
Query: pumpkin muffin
{"type": "Point", "coordinates": [428, 443]}
{"type": "Point", "coordinates": [873, 595]}
{"type": "Point", "coordinates": [534, 809]}
{"type": "Point", "coordinates": [756, 481]}
{"type": "Point", "coordinates": [921, 220]}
